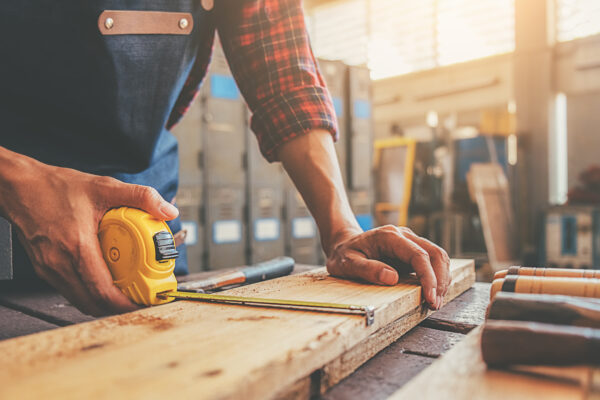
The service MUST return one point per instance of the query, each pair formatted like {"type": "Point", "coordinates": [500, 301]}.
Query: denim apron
{"type": "Point", "coordinates": [73, 97]}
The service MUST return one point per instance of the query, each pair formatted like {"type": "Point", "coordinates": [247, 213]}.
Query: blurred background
{"type": "Point", "coordinates": [473, 122]}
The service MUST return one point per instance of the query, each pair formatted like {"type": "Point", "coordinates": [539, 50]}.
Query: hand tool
{"type": "Point", "coordinates": [581, 287]}
{"type": "Point", "coordinates": [534, 343]}
{"type": "Point", "coordinates": [549, 272]}
{"type": "Point", "coordinates": [554, 309]}
{"type": "Point", "coordinates": [140, 253]}
{"type": "Point", "coordinates": [275, 268]}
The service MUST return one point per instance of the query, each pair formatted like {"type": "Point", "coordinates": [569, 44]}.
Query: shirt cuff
{"type": "Point", "coordinates": [291, 114]}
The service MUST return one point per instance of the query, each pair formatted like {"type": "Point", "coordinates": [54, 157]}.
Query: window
{"type": "Point", "coordinates": [399, 36]}
{"type": "Point", "coordinates": [576, 19]}
{"type": "Point", "coordinates": [339, 31]}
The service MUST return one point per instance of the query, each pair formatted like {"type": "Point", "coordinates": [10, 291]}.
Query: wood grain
{"type": "Point", "coordinates": [462, 374]}
{"type": "Point", "coordinates": [204, 350]}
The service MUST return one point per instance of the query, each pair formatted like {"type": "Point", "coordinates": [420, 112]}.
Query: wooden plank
{"type": "Point", "coordinates": [428, 342]}
{"type": "Point", "coordinates": [14, 323]}
{"type": "Point", "coordinates": [344, 365]}
{"type": "Point", "coordinates": [465, 313]}
{"type": "Point", "coordinates": [395, 366]}
{"type": "Point", "coordinates": [43, 303]}
{"type": "Point", "coordinates": [462, 374]}
{"type": "Point", "coordinates": [204, 350]}
{"type": "Point", "coordinates": [489, 188]}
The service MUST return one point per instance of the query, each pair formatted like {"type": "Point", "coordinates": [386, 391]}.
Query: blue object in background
{"type": "Point", "coordinates": [475, 150]}
{"type": "Point", "coordinates": [362, 109]}
{"type": "Point", "coordinates": [338, 104]}
{"type": "Point", "coordinates": [365, 221]}
{"type": "Point", "coordinates": [223, 87]}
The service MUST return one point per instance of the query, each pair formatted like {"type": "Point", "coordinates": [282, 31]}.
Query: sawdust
{"type": "Point", "coordinates": [156, 323]}
{"type": "Point", "coordinates": [252, 318]}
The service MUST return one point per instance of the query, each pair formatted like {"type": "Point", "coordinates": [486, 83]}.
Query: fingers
{"type": "Point", "coordinates": [392, 243]}
{"type": "Point", "coordinates": [356, 265]}
{"type": "Point", "coordinates": [97, 279]}
{"type": "Point", "coordinates": [439, 260]}
{"type": "Point", "coordinates": [143, 197]}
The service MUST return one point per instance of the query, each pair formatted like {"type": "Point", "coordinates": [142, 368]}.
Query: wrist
{"type": "Point", "coordinates": [331, 240]}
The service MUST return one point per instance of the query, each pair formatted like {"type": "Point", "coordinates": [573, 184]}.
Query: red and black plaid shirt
{"type": "Point", "coordinates": [268, 51]}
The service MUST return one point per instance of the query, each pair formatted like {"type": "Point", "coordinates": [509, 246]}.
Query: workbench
{"type": "Point", "coordinates": [35, 308]}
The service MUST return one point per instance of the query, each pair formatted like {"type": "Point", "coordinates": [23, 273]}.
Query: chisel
{"type": "Point", "coordinates": [534, 343]}
{"type": "Point", "coordinates": [581, 287]}
{"type": "Point", "coordinates": [140, 253]}
{"type": "Point", "coordinates": [555, 309]}
{"type": "Point", "coordinates": [275, 268]}
{"type": "Point", "coordinates": [549, 272]}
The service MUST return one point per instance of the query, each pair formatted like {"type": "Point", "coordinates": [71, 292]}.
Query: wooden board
{"type": "Point", "coordinates": [45, 304]}
{"type": "Point", "coordinates": [462, 374]}
{"type": "Point", "coordinates": [489, 188]}
{"type": "Point", "coordinates": [395, 365]}
{"type": "Point", "coordinates": [465, 313]}
{"type": "Point", "coordinates": [14, 323]}
{"type": "Point", "coordinates": [205, 350]}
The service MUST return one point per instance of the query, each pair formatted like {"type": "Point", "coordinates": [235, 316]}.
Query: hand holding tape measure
{"type": "Point", "coordinates": [140, 253]}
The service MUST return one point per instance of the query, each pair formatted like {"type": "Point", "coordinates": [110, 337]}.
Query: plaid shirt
{"type": "Point", "coordinates": [268, 51]}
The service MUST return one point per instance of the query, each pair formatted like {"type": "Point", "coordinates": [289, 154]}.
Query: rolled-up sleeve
{"type": "Point", "coordinates": [269, 53]}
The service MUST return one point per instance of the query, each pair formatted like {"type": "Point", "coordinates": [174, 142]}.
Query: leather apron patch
{"type": "Point", "coordinates": [120, 22]}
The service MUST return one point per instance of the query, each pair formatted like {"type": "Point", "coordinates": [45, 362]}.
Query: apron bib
{"type": "Point", "coordinates": [75, 94]}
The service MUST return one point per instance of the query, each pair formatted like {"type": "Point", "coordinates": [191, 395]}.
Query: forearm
{"type": "Point", "coordinates": [311, 162]}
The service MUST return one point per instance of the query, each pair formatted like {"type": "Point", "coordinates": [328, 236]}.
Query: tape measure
{"type": "Point", "coordinates": [140, 253]}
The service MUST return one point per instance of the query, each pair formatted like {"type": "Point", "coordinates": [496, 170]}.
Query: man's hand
{"type": "Point", "coordinates": [378, 255]}
{"type": "Point", "coordinates": [56, 213]}
{"type": "Point", "coordinates": [375, 256]}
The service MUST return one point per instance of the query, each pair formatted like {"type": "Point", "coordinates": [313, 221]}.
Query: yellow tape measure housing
{"type": "Point", "coordinates": [140, 253]}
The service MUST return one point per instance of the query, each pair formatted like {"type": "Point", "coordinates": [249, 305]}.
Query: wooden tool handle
{"type": "Point", "coordinates": [581, 287]}
{"type": "Point", "coordinates": [549, 272]}
{"type": "Point", "coordinates": [562, 310]}
{"type": "Point", "coordinates": [533, 343]}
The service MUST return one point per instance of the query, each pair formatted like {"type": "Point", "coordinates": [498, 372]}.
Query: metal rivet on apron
{"type": "Point", "coordinates": [183, 23]}
{"type": "Point", "coordinates": [109, 23]}
{"type": "Point", "coordinates": [207, 4]}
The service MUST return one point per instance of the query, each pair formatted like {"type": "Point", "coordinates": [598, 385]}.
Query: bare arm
{"type": "Point", "coordinates": [56, 212]}
{"type": "Point", "coordinates": [311, 162]}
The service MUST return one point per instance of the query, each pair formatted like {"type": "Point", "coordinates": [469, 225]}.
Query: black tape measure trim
{"type": "Point", "coordinates": [164, 246]}
{"type": "Point", "coordinates": [513, 270]}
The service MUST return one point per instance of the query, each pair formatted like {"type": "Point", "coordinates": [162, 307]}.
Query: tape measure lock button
{"type": "Point", "coordinates": [164, 246]}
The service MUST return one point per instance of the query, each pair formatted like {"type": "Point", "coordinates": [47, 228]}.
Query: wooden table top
{"type": "Point", "coordinates": [25, 310]}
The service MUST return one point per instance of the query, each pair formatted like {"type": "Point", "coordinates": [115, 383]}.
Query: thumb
{"type": "Point", "coordinates": [145, 198]}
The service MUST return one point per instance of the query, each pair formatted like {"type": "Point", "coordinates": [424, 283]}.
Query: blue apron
{"type": "Point", "coordinates": [72, 97]}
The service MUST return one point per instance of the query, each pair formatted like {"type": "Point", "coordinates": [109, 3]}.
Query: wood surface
{"type": "Point", "coordinates": [204, 350]}
{"type": "Point", "coordinates": [14, 323]}
{"type": "Point", "coordinates": [396, 365]}
{"type": "Point", "coordinates": [463, 314]}
{"type": "Point", "coordinates": [462, 374]}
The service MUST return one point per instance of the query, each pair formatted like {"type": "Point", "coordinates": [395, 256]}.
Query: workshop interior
{"type": "Point", "coordinates": [473, 123]}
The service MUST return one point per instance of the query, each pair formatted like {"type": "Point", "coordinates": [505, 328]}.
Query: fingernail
{"type": "Point", "coordinates": [432, 297]}
{"type": "Point", "coordinates": [169, 209]}
{"type": "Point", "coordinates": [440, 303]}
{"type": "Point", "coordinates": [387, 277]}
